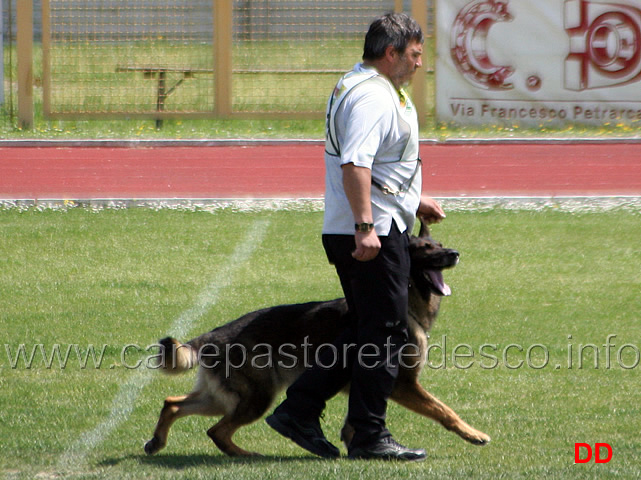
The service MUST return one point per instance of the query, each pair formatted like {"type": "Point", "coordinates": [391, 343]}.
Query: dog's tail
{"type": "Point", "coordinates": [176, 357]}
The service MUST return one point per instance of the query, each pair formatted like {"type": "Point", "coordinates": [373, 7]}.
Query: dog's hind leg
{"type": "Point", "coordinates": [413, 396]}
{"type": "Point", "coordinates": [196, 403]}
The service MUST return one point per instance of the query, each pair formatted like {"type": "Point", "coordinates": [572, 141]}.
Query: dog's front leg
{"type": "Point", "coordinates": [414, 397]}
{"type": "Point", "coordinates": [347, 433]}
{"type": "Point", "coordinates": [222, 434]}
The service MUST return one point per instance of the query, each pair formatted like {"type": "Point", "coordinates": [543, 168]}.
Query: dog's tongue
{"type": "Point", "coordinates": [436, 276]}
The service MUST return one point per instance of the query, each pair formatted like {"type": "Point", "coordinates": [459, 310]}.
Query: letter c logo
{"type": "Point", "coordinates": [468, 45]}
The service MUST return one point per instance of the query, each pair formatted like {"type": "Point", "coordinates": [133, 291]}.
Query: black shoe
{"type": "Point", "coordinates": [305, 433]}
{"type": "Point", "coordinates": [387, 449]}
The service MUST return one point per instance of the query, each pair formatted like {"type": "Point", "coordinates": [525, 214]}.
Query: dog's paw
{"type": "Point", "coordinates": [478, 438]}
{"type": "Point", "coordinates": [153, 446]}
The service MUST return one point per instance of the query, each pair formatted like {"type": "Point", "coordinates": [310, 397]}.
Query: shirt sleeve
{"type": "Point", "coordinates": [366, 121]}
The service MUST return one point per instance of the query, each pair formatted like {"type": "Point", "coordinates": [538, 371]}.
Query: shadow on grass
{"type": "Point", "coordinates": [177, 461]}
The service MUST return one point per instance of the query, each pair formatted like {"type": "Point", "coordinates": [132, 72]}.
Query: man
{"type": "Point", "coordinates": [373, 185]}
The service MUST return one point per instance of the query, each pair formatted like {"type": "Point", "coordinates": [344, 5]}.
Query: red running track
{"type": "Point", "coordinates": [295, 170]}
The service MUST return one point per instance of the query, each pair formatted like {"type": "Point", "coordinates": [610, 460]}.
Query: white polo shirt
{"type": "Point", "coordinates": [368, 125]}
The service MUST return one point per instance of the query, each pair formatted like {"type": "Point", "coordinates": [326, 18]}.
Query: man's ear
{"type": "Point", "coordinates": [390, 53]}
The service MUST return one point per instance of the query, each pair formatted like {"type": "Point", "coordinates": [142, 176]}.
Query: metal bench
{"type": "Point", "coordinates": [163, 90]}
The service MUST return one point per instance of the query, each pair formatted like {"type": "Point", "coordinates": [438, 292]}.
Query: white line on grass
{"type": "Point", "coordinates": [123, 403]}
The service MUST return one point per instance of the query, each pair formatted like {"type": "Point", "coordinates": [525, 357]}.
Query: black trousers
{"type": "Point", "coordinates": [367, 352]}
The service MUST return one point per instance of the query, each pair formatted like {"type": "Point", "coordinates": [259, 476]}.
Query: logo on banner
{"type": "Point", "coordinates": [605, 44]}
{"type": "Point", "coordinates": [469, 44]}
{"type": "Point", "coordinates": [604, 39]}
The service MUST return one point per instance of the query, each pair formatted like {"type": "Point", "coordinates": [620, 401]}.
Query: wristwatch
{"type": "Point", "coordinates": [363, 227]}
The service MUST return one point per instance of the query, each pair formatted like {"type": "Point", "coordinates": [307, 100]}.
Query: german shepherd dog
{"type": "Point", "coordinates": [244, 364]}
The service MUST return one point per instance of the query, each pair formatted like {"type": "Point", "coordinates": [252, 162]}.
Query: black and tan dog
{"type": "Point", "coordinates": [244, 364]}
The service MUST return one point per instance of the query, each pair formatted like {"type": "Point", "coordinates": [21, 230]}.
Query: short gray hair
{"type": "Point", "coordinates": [396, 29]}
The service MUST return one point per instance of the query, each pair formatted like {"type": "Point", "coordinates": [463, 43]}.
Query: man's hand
{"type": "Point", "coordinates": [357, 182]}
{"type": "Point", "coordinates": [429, 210]}
{"type": "Point", "coordinates": [367, 246]}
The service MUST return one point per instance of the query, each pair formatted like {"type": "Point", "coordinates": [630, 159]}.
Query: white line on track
{"type": "Point", "coordinates": [75, 456]}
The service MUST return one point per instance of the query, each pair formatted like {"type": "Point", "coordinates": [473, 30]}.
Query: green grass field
{"type": "Point", "coordinates": [535, 298]}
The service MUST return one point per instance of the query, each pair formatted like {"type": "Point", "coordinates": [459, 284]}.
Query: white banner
{"type": "Point", "coordinates": [1, 56]}
{"type": "Point", "coordinates": [538, 62]}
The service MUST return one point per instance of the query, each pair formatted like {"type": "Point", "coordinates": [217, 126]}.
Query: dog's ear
{"type": "Point", "coordinates": [424, 232]}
